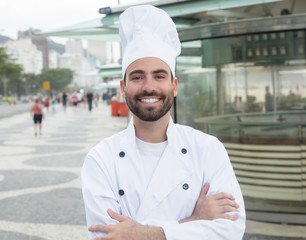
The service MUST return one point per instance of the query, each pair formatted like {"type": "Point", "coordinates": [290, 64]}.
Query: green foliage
{"type": "Point", "coordinates": [12, 72]}
{"type": "Point", "coordinates": [32, 83]}
{"type": "Point", "coordinates": [287, 102]}
{"type": "Point", "coordinates": [59, 78]}
{"type": "Point", "coordinates": [3, 60]}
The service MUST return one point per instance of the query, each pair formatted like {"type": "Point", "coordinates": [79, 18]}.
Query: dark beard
{"type": "Point", "coordinates": [149, 114]}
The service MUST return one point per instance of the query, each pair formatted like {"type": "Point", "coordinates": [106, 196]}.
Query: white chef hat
{"type": "Point", "coordinates": [147, 31]}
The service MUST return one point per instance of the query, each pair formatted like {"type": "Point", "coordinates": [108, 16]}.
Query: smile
{"type": "Point", "coordinates": [149, 100]}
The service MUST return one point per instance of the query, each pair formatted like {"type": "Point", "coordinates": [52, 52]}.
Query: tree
{"type": "Point", "coordinates": [3, 60]}
{"type": "Point", "coordinates": [14, 73]}
{"type": "Point", "coordinates": [4, 57]}
{"type": "Point", "coordinates": [32, 83]}
{"type": "Point", "coordinates": [59, 78]}
{"type": "Point", "coordinates": [11, 72]}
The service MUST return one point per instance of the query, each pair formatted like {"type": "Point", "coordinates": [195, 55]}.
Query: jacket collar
{"type": "Point", "coordinates": [170, 132]}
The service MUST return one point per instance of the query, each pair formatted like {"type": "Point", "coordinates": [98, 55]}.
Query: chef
{"type": "Point", "coordinates": [156, 179]}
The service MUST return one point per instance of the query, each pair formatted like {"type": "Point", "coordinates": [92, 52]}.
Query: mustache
{"type": "Point", "coordinates": [149, 94]}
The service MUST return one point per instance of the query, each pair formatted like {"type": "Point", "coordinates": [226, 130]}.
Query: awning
{"type": "Point", "coordinates": [110, 70]}
{"type": "Point", "coordinates": [182, 12]}
{"type": "Point", "coordinates": [91, 30]}
{"type": "Point", "coordinates": [114, 84]}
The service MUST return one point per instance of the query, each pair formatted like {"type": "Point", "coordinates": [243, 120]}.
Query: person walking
{"type": "Point", "coordinates": [47, 102]}
{"type": "Point", "coordinates": [157, 179]}
{"type": "Point", "coordinates": [64, 100]}
{"type": "Point", "coordinates": [74, 99]}
{"type": "Point", "coordinates": [89, 97]}
{"type": "Point", "coordinates": [37, 112]}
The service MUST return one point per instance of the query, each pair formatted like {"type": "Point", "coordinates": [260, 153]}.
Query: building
{"type": "Point", "coordinates": [24, 52]}
{"type": "Point", "coordinates": [74, 58]}
{"type": "Point", "coordinates": [42, 43]}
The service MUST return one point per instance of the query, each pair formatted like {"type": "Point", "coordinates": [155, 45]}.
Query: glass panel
{"type": "Point", "coordinates": [254, 74]}
{"type": "Point", "coordinates": [196, 88]}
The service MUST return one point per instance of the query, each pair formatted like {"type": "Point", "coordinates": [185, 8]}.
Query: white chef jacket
{"type": "Point", "coordinates": [113, 177]}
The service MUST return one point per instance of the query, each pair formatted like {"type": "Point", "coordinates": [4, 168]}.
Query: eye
{"type": "Point", "coordinates": [136, 77]}
{"type": "Point", "coordinates": [160, 76]}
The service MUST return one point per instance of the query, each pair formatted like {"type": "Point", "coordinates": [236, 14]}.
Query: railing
{"type": "Point", "coordinates": [268, 154]}
{"type": "Point", "coordinates": [280, 128]}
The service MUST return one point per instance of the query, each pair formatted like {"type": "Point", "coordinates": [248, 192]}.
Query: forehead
{"type": "Point", "coordinates": [148, 64]}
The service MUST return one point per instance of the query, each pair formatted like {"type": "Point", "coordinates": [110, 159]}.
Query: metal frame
{"type": "Point", "coordinates": [257, 25]}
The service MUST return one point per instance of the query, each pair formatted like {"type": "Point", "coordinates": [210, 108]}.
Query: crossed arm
{"type": "Point", "coordinates": [207, 208]}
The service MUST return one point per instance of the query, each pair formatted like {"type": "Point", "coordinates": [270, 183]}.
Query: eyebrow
{"type": "Point", "coordinates": [136, 72]}
{"type": "Point", "coordinates": [160, 71]}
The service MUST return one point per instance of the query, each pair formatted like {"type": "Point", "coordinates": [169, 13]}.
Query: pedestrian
{"type": "Point", "coordinates": [53, 104]}
{"type": "Point", "coordinates": [268, 100]}
{"type": "Point", "coordinates": [157, 179]}
{"type": "Point", "coordinates": [64, 100]}
{"type": "Point", "coordinates": [96, 99]}
{"type": "Point", "coordinates": [80, 98]}
{"type": "Point", "coordinates": [75, 99]}
{"type": "Point", "coordinates": [89, 97]}
{"type": "Point", "coordinates": [37, 112]}
{"type": "Point", "coordinates": [47, 103]}
{"type": "Point", "coordinates": [9, 99]}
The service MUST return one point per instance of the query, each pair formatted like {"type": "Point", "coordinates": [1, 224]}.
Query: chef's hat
{"type": "Point", "coordinates": [147, 31]}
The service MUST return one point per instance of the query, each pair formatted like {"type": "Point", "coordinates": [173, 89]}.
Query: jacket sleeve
{"type": "Point", "coordinates": [221, 177]}
{"type": "Point", "coordinates": [219, 229]}
{"type": "Point", "coordinates": [98, 192]}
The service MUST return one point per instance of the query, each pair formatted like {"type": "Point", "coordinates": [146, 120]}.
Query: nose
{"type": "Point", "coordinates": [149, 84]}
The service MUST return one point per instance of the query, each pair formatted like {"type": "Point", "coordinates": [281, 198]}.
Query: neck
{"type": "Point", "coordinates": [152, 132]}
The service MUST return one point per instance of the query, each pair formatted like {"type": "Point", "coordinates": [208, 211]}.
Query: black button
{"type": "Point", "coordinates": [121, 192]}
{"type": "Point", "coordinates": [184, 151]}
{"type": "Point", "coordinates": [185, 186]}
{"type": "Point", "coordinates": [122, 154]}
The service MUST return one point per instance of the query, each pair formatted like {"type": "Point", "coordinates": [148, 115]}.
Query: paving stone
{"type": "Point", "coordinates": [69, 134]}
{"type": "Point", "coordinates": [21, 179]}
{"type": "Point", "coordinates": [69, 139]}
{"type": "Point", "coordinates": [5, 235]}
{"type": "Point", "coordinates": [60, 206]}
{"type": "Point", "coordinates": [63, 160]}
{"type": "Point", "coordinates": [54, 148]}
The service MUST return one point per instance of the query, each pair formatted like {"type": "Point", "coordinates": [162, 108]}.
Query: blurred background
{"type": "Point", "coordinates": [241, 73]}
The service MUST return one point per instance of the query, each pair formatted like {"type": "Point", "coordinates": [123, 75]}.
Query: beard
{"type": "Point", "coordinates": [149, 113]}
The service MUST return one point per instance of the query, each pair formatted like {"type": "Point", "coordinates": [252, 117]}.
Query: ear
{"type": "Point", "coordinates": [122, 86]}
{"type": "Point", "coordinates": [174, 83]}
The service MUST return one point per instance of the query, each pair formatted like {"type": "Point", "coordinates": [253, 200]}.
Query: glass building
{"type": "Point", "coordinates": [245, 83]}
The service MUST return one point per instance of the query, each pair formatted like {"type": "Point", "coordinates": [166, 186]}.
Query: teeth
{"type": "Point", "coordinates": [149, 100]}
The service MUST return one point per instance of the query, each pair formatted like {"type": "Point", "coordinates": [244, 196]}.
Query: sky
{"type": "Point", "coordinates": [46, 15]}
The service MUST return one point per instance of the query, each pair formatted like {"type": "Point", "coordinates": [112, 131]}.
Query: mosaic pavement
{"type": "Point", "coordinates": [40, 186]}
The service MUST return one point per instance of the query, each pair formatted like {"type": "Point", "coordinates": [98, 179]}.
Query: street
{"type": "Point", "coordinates": [7, 110]}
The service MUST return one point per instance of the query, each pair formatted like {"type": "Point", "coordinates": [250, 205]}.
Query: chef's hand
{"type": "Point", "coordinates": [127, 229]}
{"type": "Point", "coordinates": [213, 206]}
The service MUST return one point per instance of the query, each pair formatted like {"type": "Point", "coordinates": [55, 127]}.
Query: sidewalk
{"type": "Point", "coordinates": [40, 185]}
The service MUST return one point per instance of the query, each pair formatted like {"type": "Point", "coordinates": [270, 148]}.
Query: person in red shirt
{"type": "Point", "coordinates": [37, 110]}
